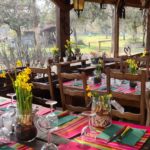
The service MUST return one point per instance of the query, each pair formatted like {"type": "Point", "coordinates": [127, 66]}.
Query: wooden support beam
{"type": "Point", "coordinates": [62, 28]}
{"type": "Point", "coordinates": [148, 32]}
{"type": "Point", "coordinates": [63, 5]}
{"type": "Point", "coordinates": [115, 36]}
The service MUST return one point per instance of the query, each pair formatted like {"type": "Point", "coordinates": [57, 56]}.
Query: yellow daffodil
{"type": "Point", "coordinates": [2, 74]}
{"type": "Point", "coordinates": [19, 63]}
{"type": "Point", "coordinates": [132, 65]}
{"type": "Point", "coordinates": [89, 94]}
{"type": "Point", "coordinates": [27, 70]}
{"type": "Point", "coordinates": [88, 88]}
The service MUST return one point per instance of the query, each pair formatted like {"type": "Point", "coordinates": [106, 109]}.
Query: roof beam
{"type": "Point", "coordinates": [131, 3]}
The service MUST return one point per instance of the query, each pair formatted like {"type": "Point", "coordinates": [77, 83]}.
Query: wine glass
{"type": "Point", "coordinates": [8, 120]}
{"type": "Point", "coordinates": [12, 95]}
{"type": "Point", "coordinates": [48, 127]}
{"type": "Point", "coordinates": [88, 128]}
{"type": "Point", "coordinates": [52, 117]}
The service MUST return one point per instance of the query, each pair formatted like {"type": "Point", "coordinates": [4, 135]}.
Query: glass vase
{"type": "Point", "coordinates": [25, 128]}
{"type": "Point", "coordinates": [103, 117]}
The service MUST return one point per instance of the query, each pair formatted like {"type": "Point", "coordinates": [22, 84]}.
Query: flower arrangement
{"type": "Point", "coordinates": [2, 73]}
{"type": "Point", "coordinates": [68, 47]}
{"type": "Point", "coordinates": [23, 92]}
{"type": "Point", "coordinates": [94, 57]}
{"type": "Point", "coordinates": [144, 53]}
{"type": "Point", "coordinates": [132, 65]}
{"type": "Point", "coordinates": [22, 89]}
{"type": "Point", "coordinates": [102, 107]}
{"type": "Point", "coordinates": [55, 51]}
{"type": "Point", "coordinates": [102, 98]}
{"type": "Point", "coordinates": [98, 68]}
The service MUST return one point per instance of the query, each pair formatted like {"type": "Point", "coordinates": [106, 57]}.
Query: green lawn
{"type": "Point", "coordinates": [91, 43]}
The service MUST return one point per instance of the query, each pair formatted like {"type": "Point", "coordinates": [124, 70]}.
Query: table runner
{"type": "Point", "coordinates": [72, 128]}
{"type": "Point", "coordinates": [101, 144]}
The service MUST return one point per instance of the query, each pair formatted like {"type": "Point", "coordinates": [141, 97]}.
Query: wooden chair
{"type": "Point", "coordinates": [41, 79]}
{"type": "Point", "coordinates": [71, 95]}
{"type": "Point", "coordinates": [144, 64]}
{"type": "Point", "coordinates": [129, 99]}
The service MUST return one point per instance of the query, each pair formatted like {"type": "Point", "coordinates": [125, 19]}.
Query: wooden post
{"type": "Point", "coordinates": [62, 27]}
{"type": "Point", "coordinates": [148, 32]}
{"type": "Point", "coordinates": [116, 33]}
{"type": "Point", "coordinates": [99, 45]}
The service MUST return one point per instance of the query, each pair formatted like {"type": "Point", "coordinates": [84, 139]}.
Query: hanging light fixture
{"type": "Point", "coordinates": [78, 6]}
{"type": "Point", "coordinates": [102, 6]}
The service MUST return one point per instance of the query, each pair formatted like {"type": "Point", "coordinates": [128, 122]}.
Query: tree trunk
{"type": "Point", "coordinates": [124, 36]}
{"type": "Point", "coordinates": [134, 31]}
{"type": "Point", "coordinates": [37, 33]}
{"type": "Point", "coordinates": [19, 52]}
{"type": "Point", "coordinates": [75, 35]}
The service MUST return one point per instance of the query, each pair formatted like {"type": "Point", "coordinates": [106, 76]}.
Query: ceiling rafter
{"type": "Point", "coordinates": [132, 3]}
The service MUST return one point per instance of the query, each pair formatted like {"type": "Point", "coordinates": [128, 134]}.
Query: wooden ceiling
{"type": "Point", "coordinates": [132, 3]}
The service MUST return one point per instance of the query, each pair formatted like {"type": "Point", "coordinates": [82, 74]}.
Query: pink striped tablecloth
{"type": "Point", "coordinates": [102, 144]}
{"type": "Point", "coordinates": [72, 128]}
{"type": "Point", "coordinates": [75, 146]}
{"type": "Point", "coordinates": [124, 88]}
{"type": "Point", "coordinates": [4, 101]}
{"type": "Point", "coordinates": [71, 84]}
{"type": "Point", "coordinates": [13, 145]}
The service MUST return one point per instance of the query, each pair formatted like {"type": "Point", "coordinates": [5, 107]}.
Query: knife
{"type": "Point", "coordinates": [116, 134]}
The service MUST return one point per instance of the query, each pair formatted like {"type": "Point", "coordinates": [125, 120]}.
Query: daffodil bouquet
{"type": "Point", "coordinates": [55, 51]}
{"type": "Point", "coordinates": [68, 47]}
{"type": "Point", "coordinates": [23, 91]}
{"type": "Point", "coordinates": [133, 67]}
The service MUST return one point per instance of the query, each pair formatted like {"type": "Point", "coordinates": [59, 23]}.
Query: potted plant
{"type": "Point", "coordinates": [77, 53]}
{"type": "Point", "coordinates": [133, 67]}
{"type": "Point", "coordinates": [98, 71]}
{"type": "Point", "coordinates": [69, 53]}
{"type": "Point", "coordinates": [94, 58]}
{"type": "Point", "coordinates": [102, 107]}
{"type": "Point", "coordinates": [55, 53]}
{"type": "Point", "coordinates": [25, 129]}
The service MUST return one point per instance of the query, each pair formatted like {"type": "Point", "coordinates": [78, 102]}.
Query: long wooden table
{"type": "Point", "coordinates": [42, 138]}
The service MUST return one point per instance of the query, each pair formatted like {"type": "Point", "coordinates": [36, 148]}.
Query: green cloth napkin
{"type": "Point", "coordinates": [131, 138]}
{"type": "Point", "coordinates": [3, 109]}
{"type": "Point", "coordinates": [109, 132]}
{"type": "Point", "coordinates": [65, 119]}
{"type": "Point", "coordinates": [6, 148]}
{"type": "Point", "coordinates": [2, 99]}
{"type": "Point", "coordinates": [105, 88]}
{"type": "Point", "coordinates": [137, 93]}
{"type": "Point", "coordinates": [78, 83]}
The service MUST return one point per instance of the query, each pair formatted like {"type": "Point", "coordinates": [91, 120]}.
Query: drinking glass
{"type": "Point", "coordinates": [8, 120]}
{"type": "Point", "coordinates": [48, 127]}
{"type": "Point", "coordinates": [52, 117]}
{"type": "Point", "coordinates": [88, 128]}
{"type": "Point", "coordinates": [12, 95]}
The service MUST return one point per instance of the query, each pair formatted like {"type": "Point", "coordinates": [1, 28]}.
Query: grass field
{"type": "Point", "coordinates": [91, 43]}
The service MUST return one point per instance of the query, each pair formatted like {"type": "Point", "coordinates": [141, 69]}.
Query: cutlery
{"type": "Point", "coordinates": [117, 134]}
{"type": "Point", "coordinates": [124, 133]}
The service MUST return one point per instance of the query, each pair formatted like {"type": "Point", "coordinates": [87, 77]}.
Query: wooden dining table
{"type": "Point", "coordinates": [68, 135]}
{"type": "Point", "coordinates": [117, 86]}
